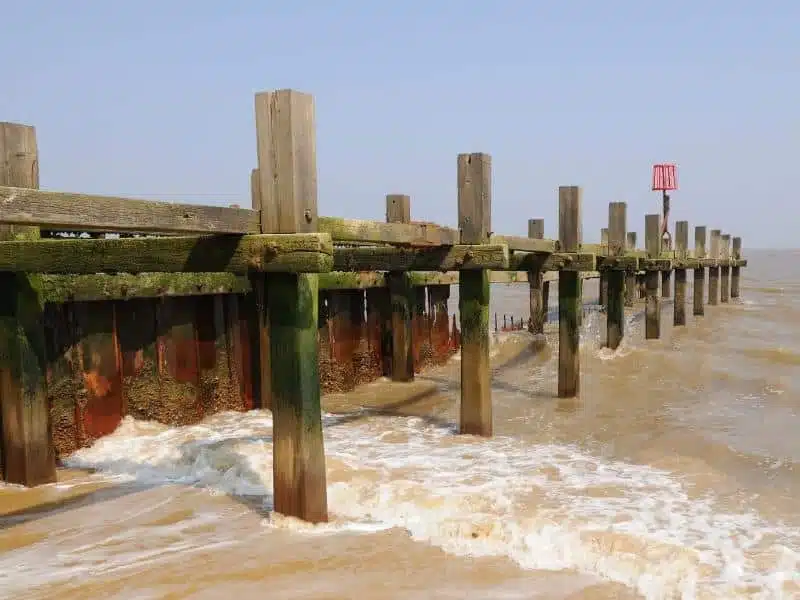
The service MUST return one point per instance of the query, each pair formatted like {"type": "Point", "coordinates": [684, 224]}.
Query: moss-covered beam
{"type": "Point", "coordinates": [561, 261]}
{"type": "Point", "coordinates": [125, 286]}
{"type": "Point", "coordinates": [452, 258]}
{"type": "Point", "coordinates": [525, 244]}
{"type": "Point", "coordinates": [298, 253]}
{"type": "Point", "coordinates": [404, 234]}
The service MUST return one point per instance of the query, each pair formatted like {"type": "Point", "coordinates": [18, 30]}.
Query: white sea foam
{"type": "Point", "coordinates": [544, 506]}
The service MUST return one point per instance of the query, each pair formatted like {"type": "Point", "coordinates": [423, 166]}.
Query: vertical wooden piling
{"type": "Point", "coordinates": [261, 321]}
{"type": "Point", "coordinates": [603, 283]}
{"type": "Point", "coordinates": [27, 453]}
{"type": "Point", "coordinates": [713, 272]}
{"type": "Point", "coordinates": [538, 309]}
{"type": "Point", "coordinates": [287, 167]}
{"type": "Point", "coordinates": [652, 240]}
{"type": "Point", "coordinates": [698, 308]}
{"type": "Point", "coordinates": [630, 278]}
{"type": "Point", "coordinates": [398, 210]}
{"type": "Point", "coordinates": [474, 221]}
{"type": "Point", "coordinates": [725, 269]}
{"type": "Point", "coordinates": [681, 245]}
{"type": "Point", "coordinates": [615, 311]}
{"type": "Point", "coordinates": [736, 254]}
{"type": "Point", "coordinates": [569, 296]}
{"type": "Point", "coordinates": [666, 284]}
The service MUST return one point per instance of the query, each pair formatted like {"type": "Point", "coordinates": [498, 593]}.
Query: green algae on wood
{"type": "Point", "coordinates": [299, 457]}
{"type": "Point", "coordinates": [444, 258]}
{"type": "Point", "coordinates": [476, 399]}
{"type": "Point", "coordinates": [308, 252]}
{"type": "Point", "coordinates": [123, 286]}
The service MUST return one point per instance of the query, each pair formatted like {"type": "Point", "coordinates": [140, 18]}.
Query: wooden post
{"type": "Point", "coordinates": [666, 283]}
{"type": "Point", "coordinates": [725, 269]}
{"type": "Point", "coordinates": [699, 272]}
{"type": "Point", "coordinates": [569, 296]}
{"type": "Point", "coordinates": [545, 301]}
{"type": "Point", "coordinates": [615, 312]}
{"type": "Point", "coordinates": [713, 272]}
{"type": "Point", "coordinates": [681, 245]}
{"type": "Point", "coordinates": [287, 167]}
{"type": "Point", "coordinates": [736, 254]}
{"type": "Point", "coordinates": [652, 240]}
{"type": "Point", "coordinates": [538, 309]}
{"type": "Point", "coordinates": [630, 279]}
{"type": "Point", "coordinates": [603, 284]}
{"type": "Point", "coordinates": [27, 453]}
{"type": "Point", "coordinates": [474, 221]}
{"type": "Point", "coordinates": [398, 210]}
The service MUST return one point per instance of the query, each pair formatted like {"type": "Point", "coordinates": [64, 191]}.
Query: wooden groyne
{"type": "Point", "coordinates": [175, 311]}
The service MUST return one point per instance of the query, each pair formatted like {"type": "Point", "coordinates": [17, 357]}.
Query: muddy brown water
{"type": "Point", "coordinates": [673, 475]}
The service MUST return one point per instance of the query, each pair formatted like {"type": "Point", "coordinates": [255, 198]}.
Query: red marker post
{"type": "Point", "coordinates": [665, 178]}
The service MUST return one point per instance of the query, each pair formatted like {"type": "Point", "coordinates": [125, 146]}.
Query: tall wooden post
{"type": "Point", "coordinates": [652, 240]}
{"type": "Point", "coordinates": [398, 210]}
{"type": "Point", "coordinates": [615, 312]}
{"type": "Point", "coordinates": [666, 283]}
{"type": "Point", "coordinates": [725, 269]}
{"type": "Point", "coordinates": [603, 293]}
{"type": "Point", "coordinates": [736, 254]}
{"type": "Point", "coordinates": [570, 234]}
{"type": "Point", "coordinates": [631, 289]}
{"type": "Point", "coordinates": [700, 271]}
{"type": "Point", "coordinates": [474, 221]}
{"type": "Point", "coordinates": [713, 272]}
{"type": "Point", "coordinates": [287, 167]}
{"type": "Point", "coordinates": [27, 455]}
{"type": "Point", "coordinates": [681, 245]}
{"type": "Point", "coordinates": [538, 309]}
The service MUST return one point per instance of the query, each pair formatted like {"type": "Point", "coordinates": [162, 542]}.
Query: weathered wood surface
{"type": "Point", "coordinates": [87, 212]}
{"type": "Point", "coordinates": [445, 258]}
{"type": "Point", "coordinates": [475, 222]}
{"type": "Point", "coordinates": [410, 234]}
{"type": "Point", "coordinates": [615, 292]}
{"type": "Point", "coordinates": [681, 250]}
{"type": "Point", "coordinates": [26, 454]}
{"type": "Point", "coordinates": [537, 307]}
{"type": "Point", "coordinates": [310, 252]}
{"type": "Point", "coordinates": [524, 244]}
{"type": "Point", "coordinates": [287, 165]}
{"type": "Point", "coordinates": [653, 302]}
{"type": "Point", "coordinates": [698, 291]}
{"type": "Point", "coordinates": [569, 293]}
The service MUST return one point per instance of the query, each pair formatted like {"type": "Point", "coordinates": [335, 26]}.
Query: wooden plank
{"type": "Point", "coordinates": [402, 234]}
{"type": "Point", "coordinates": [26, 449]}
{"type": "Point", "coordinates": [101, 369]}
{"type": "Point", "coordinates": [462, 257]}
{"type": "Point", "coordinates": [525, 244]}
{"type": "Point", "coordinates": [474, 221]}
{"type": "Point", "coordinates": [603, 287]}
{"type": "Point", "coordinates": [538, 312]}
{"type": "Point", "coordinates": [570, 234]}
{"type": "Point", "coordinates": [681, 245]}
{"type": "Point", "coordinates": [615, 311]}
{"type": "Point", "coordinates": [286, 142]}
{"type": "Point", "coordinates": [124, 286]}
{"type": "Point", "coordinates": [137, 337]}
{"type": "Point", "coordinates": [698, 308]}
{"type": "Point", "coordinates": [88, 212]}
{"type": "Point", "coordinates": [559, 261]}
{"type": "Point", "coordinates": [398, 211]}
{"type": "Point", "coordinates": [736, 254]}
{"type": "Point", "coordinates": [713, 270]}
{"type": "Point", "coordinates": [652, 239]}
{"type": "Point", "coordinates": [234, 254]}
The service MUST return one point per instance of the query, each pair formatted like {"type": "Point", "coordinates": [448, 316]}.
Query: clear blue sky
{"type": "Point", "coordinates": [155, 99]}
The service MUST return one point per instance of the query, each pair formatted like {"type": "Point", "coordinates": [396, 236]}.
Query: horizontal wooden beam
{"type": "Point", "coordinates": [525, 244]}
{"type": "Point", "coordinates": [86, 212]}
{"type": "Point", "coordinates": [445, 258]}
{"type": "Point", "coordinates": [560, 261]}
{"type": "Point", "coordinates": [297, 253]}
{"type": "Point", "coordinates": [401, 234]}
{"type": "Point", "coordinates": [125, 286]}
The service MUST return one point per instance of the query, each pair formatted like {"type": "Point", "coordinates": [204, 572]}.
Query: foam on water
{"type": "Point", "coordinates": [543, 506]}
